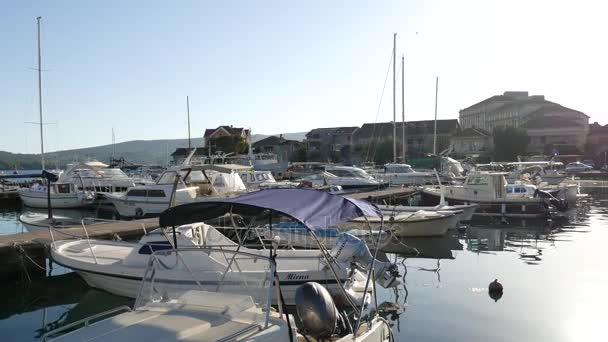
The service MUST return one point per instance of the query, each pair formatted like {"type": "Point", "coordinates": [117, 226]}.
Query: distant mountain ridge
{"type": "Point", "coordinates": [134, 151]}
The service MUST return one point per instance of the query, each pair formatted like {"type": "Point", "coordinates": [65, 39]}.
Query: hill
{"type": "Point", "coordinates": [135, 151]}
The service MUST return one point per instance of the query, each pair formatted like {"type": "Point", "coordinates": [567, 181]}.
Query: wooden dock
{"type": "Point", "coordinates": [25, 255]}
{"type": "Point", "coordinates": [391, 196]}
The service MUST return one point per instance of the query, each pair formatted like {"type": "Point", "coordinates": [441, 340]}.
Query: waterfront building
{"type": "Point", "coordinates": [225, 131]}
{"type": "Point", "coordinates": [471, 142]}
{"type": "Point", "coordinates": [549, 125]}
{"type": "Point", "coordinates": [278, 145]}
{"type": "Point", "coordinates": [418, 134]}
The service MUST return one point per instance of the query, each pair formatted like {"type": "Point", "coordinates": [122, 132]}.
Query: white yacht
{"type": "Point", "coordinates": [403, 174]}
{"type": "Point", "coordinates": [348, 177]}
{"type": "Point", "coordinates": [97, 177]}
{"type": "Point", "coordinates": [194, 183]}
{"type": "Point", "coordinates": [62, 195]}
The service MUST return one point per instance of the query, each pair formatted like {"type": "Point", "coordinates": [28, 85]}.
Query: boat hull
{"type": "Point", "coordinates": [39, 200]}
{"type": "Point", "coordinates": [118, 268]}
{"type": "Point", "coordinates": [130, 208]}
{"type": "Point", "coordinates": [465, 214]}
{"type": "Point", "coordinates": [427, 227]}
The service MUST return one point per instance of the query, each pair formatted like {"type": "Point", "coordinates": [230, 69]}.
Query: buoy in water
{"type": "Point", "coordinates": [495, 290]}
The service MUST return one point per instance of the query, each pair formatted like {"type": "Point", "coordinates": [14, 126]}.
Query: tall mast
{"type": "Point", "coordinates": [394, 100]}
{"type": "Point", "coordinates": [403, 145]}
{"type": "Point", "coordinates": [188, 109]}
{"type": "Point", "coordinates": [40, 94]}
{"type": "Point", "coordinates": [435, 130]}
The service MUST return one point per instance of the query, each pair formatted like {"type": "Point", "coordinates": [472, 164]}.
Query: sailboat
{"type": "Point", "coordinates": [58, 195]}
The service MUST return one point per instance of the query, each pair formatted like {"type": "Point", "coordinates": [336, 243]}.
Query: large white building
{"type": "Point", "coordinates": [548, 124]}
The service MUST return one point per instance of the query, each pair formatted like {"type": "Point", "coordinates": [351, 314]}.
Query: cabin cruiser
{"type": "Point", "coordinates": [119, 266]}
{"type": "Point", "coordinates": [62, 195]}
{"type": "Point", "coordinates": [403, 174]}
{"type": "Point", "coordinates": [255, 180]}
{"type": "Point", "coordinates": [181, 185]}
{"type": "Point", "coordinates": [98, 177]}
{"type": "Point", "coordinates": [348, 177]}
{"type": "Point", "coordinates": [494, 196]}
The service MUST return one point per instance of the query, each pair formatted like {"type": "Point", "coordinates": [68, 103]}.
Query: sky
{"type": "Point", "coordinates": [283, 66]}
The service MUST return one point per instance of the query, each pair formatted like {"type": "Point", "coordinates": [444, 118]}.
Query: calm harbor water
{"type": "Point", "coordinates": [554, 276]}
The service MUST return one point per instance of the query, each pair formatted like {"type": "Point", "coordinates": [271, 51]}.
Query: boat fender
{"type": "Point", "coordinates": [495, 290]}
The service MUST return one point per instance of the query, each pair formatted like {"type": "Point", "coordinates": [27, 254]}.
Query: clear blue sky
{"type": "Point", "coordinates": [282, 66]}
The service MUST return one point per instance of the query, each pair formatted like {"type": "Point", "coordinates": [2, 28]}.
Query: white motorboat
{"type": "Point", "coordinates": [235, 307]}
{"type": "Point", "coordinates": [255, 180]}
{"type": "Point", "coordinates": [98, 177]}
{"type": "Point", "coordinates": [348, 177]}
{"type": "Point", "coordinates": [418, 224]}
{"type": "Point", "coordinates": [464, 212]}
{"type": "Point", "coordinates": [118, 267]}
{"type": "Point", "coordinates": [403, 174]}
{"type": "Point", "coordinates": [62, 195]}
{"type": "Point", "coordinates": [191, 184]}
{"type": "Point", "coordinates": [494, 196]}
{"type": "Point", "coordinates": [34, 221]}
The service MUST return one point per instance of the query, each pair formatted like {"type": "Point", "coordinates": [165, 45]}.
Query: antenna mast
{"type": "Point", "coordinates": [40, 94]}
{"type": "Point", "coordinates": [188, 109]}
{"type": "Point", "coordinates": [394, 103]}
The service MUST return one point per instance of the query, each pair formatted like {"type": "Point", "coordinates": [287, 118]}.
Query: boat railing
{"type": "Point", "coordinates": [86, 232]}
{"type": "Point", "coordinates": [85, 321]}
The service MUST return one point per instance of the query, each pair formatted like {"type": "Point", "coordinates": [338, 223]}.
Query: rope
{"type": "Point", "coordinates": [24, 253]}
{"type": "Point", "coordinates": [378, 110]}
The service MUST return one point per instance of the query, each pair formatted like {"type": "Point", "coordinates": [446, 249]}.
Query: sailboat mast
{"type": "Point", "coordinates": [403, 145]}
{"type": "Point", "coordinates": [188, 110]}
{"type": "Point", "coordinates": [40, 94]}
{"type": "Point", "coordinates": [394, 100]}
{"type": "Point", "coordinates": [435, 130]}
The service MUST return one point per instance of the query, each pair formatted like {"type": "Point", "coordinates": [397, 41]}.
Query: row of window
{"type": "Point", "coordinates": [146, 193]}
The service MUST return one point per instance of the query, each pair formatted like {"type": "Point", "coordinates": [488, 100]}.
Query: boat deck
{"type": "Point", "coordinates": [29, 251]}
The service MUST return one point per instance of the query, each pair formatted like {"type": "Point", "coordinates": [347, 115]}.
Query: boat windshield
{"type": "Point", "coordinates": [398, 169]}
{"type": "Point", "coordinates": [113, 173]}
{"type": "Point", "coordinates": [225, 282]}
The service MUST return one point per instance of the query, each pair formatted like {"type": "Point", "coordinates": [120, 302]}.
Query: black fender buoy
{"type": "Point", "coordinates": [495, 290]}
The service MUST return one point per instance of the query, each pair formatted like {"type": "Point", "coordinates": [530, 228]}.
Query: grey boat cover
{"type": "Point", "coordinates": [315, 209]}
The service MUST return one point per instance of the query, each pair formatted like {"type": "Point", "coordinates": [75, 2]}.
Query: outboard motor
{"type": "Point", "coordinates": [351, 249]}
{"type": "Point", "coordinates": [559, 204]}
{"type": "Point", "coordinates": [318, 313]}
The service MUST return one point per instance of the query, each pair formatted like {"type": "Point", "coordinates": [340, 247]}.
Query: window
{"type": "Point", "coordinates": [156, 193]}
{"type": "Point", "coordinates": [63, 188]}
{"type": "Point", "coordinates": [167, 178]}
{"type": "Point", "coordinates": [154, 246]}
{"type": "Point", "coordinates": [137, 193]}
